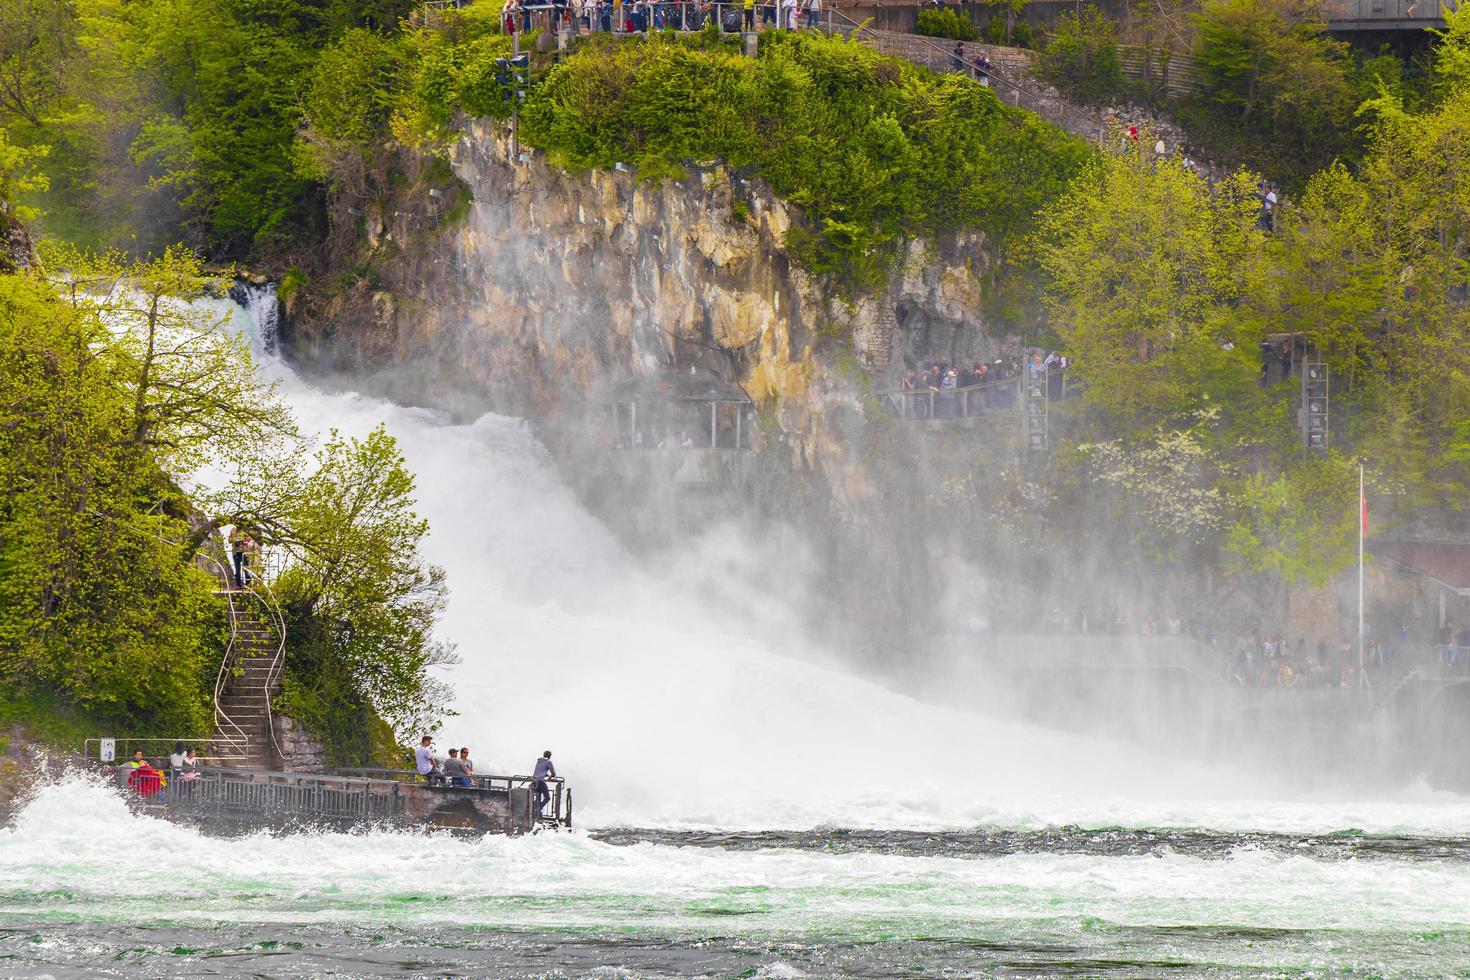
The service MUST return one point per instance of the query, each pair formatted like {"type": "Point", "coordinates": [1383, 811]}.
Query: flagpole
{"type": "Point", "coordinates": [1362, 533]}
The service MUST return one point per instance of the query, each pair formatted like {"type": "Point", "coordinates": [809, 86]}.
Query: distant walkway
{"type": "Point", "coordinates": [1339, 16]}
{"type": "Point", "coordinates": [1009, 78]}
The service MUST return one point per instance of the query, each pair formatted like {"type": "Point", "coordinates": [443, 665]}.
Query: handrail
{"type": "Point", "coordinates": [268, 602]}
{"type": "Point", "coordinates": [560, 801]}
{"type": "Point", "coordinates": [122, 740]}
{"type": "Point", "coordinates": [961, 397]}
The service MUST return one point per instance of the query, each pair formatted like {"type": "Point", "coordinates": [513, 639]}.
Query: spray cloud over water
{"type": "Point", "coordinates": [662, 710]}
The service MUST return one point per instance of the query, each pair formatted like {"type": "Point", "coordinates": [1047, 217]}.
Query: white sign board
{"type": "Point", "coordinates": [108, 752]}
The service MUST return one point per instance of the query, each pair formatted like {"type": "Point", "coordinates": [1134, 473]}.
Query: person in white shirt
{"type": "Point", "coordinates": [426, 762]}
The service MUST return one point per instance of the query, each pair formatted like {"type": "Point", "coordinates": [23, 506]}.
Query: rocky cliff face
{"type": "Point", "coordinates": [549, 285]}
{"type": "Point", "coordinates": [555, 283]}
{"type": "Point", "coordinates": [17, 253]}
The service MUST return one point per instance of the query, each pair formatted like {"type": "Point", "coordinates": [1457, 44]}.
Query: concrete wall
{"type": "Point", "coordinates": [453, 808]}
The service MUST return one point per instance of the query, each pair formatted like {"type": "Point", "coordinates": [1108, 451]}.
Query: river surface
{"type": "Point", "coordinates": [747, 806]}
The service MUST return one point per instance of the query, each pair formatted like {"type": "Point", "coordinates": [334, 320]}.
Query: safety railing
{"type": "Point", "coordinates": [1449, 659]}
{"type": "Point", "coordinates": [1347, 14]}
{"type": "Point", "coordinates": [246, 790]}
{"type": "Point", "coordinates": [970, 401]}
{"type": "Point", "coordinates": [125, 747]}
{"type": "Point", "coordinates": [636, 18]}
{"type": "Point", "coordinates": [558, 807]}
{"type": "Point", "coordinates": [227, 729]}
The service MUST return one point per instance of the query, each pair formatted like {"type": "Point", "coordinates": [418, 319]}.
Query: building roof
{"type": "Point", "coordinates": [675, 385]}
{"type": "Point", "coordinates": [1444, 562]}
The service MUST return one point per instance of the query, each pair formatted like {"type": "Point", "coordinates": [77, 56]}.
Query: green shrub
{"type": "Point", "coordinates": [872, 149]}
{"type": "Point", "coordinates": [995, 31]}
{"type": "Point", "coordinates": [1022, 35]}
{"type": "Point", "coordinates": [945, 23]}
{"type": "Point", "coordinates": [1278, 93]}
{"type": "Point", "coordinates": [1081, 57]}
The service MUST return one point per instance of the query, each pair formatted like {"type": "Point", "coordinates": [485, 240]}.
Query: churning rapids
{"type": "Point", "coordinates": [747, 810]}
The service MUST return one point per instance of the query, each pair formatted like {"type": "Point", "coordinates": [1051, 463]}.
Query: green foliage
{"type": "Point", "coordinates": [871, 148]}
{"type": "Point", "coordinates": [348, 100]}
{"type": "Point", "coordinates": [1023, 35]}
{"type": "Point", "coordinates": [362, 601]}
{"type": "Point", "coordinates": [946, 22]}
{"type": "Point", "coordinates": [18, 177]}
{"type": "Point", "coordinates": [99, 603]}
{"type": "Point", "coordinates": [1081, 57]}
{"type": "Point", "coordinates": [1300, 525]}
{"type": "Point", "coordinates": [319, 691]}
{"type": "Point", "coordinates": [995, 31]}
{"type": "Point", "coordinates": [1153, 278]}
{"type": "Point", "coordinates": [1277, 90]}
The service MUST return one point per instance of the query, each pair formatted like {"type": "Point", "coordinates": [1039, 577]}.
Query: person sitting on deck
{"type": "Point", "coordinates": [426, 763]}
{"type": "Point", "coordinates": [455, 770]}
{"type": "Point", "coordinates": [144, 779]}
{"type": "Point", "coordinates": [544, 770]}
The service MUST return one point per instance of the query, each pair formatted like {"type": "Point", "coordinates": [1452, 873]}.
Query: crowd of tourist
{"type": "Point", "coordinates": [939, 389]}
{"type": "Point", "coordinates": [1271, 660]}
{"type": "Point", "coordinates": [458, 770]}
{"type": "Point", "coordinates": [639, 16]}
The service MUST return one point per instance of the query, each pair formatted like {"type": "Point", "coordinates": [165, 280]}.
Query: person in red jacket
{"type": "Point", "coordinates": [145, 780]}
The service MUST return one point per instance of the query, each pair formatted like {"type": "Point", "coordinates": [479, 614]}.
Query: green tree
{"type": "Point", "coordinates": [1151, 282]}
{"type": "Point", "coordinates": [1081, 56]}
{"type": "Point", "coordinates": [1300, 525]}
{"type": "Point", "coordinates": [1276, 88]}
{"type": "Point", "coordinates": [362, 600]}
{"type": "Point", "coordinates": [96, 601]}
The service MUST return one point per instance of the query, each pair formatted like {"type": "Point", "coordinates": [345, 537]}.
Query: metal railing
{"type": "Point", "coordinates": [678, 15]}
{"type": "Point", "coordinates": [558, 808]}
{"type": "Point", "coordinates": [123, 755]}
{"type": "Point", "coordinates": [225, 727]}
{"type": "Point", "coordinates": [248, 790]}
{"type": "Point", "coordinates": [970, 401]}
{"type": "Point", "coordinates": [1377, 14]}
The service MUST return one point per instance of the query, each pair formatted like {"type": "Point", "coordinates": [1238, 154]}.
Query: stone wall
{"type": "Point", "coordinates": [298, 750]}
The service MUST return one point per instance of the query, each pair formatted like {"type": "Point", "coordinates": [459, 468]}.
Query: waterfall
{"type": "Point", "coordinates": [263, 308]}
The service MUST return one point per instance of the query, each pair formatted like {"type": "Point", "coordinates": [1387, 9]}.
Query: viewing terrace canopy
{"type": "Point", "coordinates": [679, 408]}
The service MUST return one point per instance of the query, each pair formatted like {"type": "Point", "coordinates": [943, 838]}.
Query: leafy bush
{"type": "Point", "coordinates": [1277, 93]}
{"type": "Point", "coordinates": [995, 31]}
{"type": "Point", "coordinates": [1081, 57]}
{"type": "Point", "coordinates": [1022, 35]}
{"type": "Point", "coordinates": [946, 23]}
{"type": "Point", "coordinates": [871, 148]}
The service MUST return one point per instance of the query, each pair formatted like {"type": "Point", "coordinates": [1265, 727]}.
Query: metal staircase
{"type": "Point", "coordinates": [249, 679]}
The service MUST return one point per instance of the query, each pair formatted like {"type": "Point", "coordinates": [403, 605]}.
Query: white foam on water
{"type": "Point", "coordinates": [77, 851]}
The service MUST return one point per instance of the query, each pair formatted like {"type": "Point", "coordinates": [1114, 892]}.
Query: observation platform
{"type": "Point", "coordinates": [343, 799]}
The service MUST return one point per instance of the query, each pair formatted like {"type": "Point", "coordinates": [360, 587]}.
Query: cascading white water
{"type": "Point", "coordinates": [658, 717]}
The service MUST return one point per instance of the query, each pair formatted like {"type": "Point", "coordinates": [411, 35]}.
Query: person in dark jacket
{"type": "Point", "coordinates": [544, 770]}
